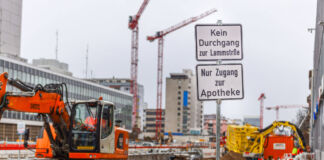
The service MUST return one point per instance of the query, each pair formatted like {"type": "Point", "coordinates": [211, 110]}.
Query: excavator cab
{"type": "Point", "coordinates": [85, 131]}
{"type": "Point", "coordinates": [93, 133]}
{"type": "Point", "coordinates": [92, 129]}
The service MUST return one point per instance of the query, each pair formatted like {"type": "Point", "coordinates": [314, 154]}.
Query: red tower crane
{"type": "Point", "coordinates": [133, 25]}
{"type": "Point", "coordinates": [284, 107]}
{"type": "Point", "coordinates": [261, 99]}
{"type": "Point", "coordinates": [159, 35]}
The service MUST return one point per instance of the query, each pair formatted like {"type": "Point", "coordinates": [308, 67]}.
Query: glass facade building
{"type": "Point", "coordinates": [77, 89]}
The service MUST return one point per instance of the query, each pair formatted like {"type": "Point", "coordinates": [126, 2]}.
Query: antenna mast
{"type": "Point", "coordinates": [56, 48]}
{"type": "Point", "coordinates": [87, 58]}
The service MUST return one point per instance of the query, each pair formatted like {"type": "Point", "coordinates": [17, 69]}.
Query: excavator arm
{"type": "Point", "coordinates": [47, 101]}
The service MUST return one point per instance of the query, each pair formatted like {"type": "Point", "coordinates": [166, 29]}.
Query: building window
{"type": "Point", "coordinates": [179, 87]}
{"type": "Point", "coordinates": [179, 98]}
{"type": "Point", "coordinates": [179, 108]}
{"type": "Point", "coordinates": [179, 103]}
{"type": "Point", "coordinates": [178, 114]}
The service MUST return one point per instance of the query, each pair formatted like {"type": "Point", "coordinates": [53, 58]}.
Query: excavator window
{"type": "Point", "coordinates": [120, 141]}
{"type": "Point", "coordinates": [107, 121]}
{"type": "Point", "coordinates": [84, 129]}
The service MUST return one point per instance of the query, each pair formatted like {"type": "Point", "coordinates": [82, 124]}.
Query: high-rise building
{"type": "Point", "coordinates": [10, 28]}
{"type": "Point", "coordinates": [124, 85]}
{"type": "Point", "coordinates": [183, 112]}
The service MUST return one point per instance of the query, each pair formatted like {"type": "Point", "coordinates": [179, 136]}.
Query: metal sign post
{"type": "Point", "coordinates": [219, 81]}
{"type": "Point", "coordinates": [21, 126]}
{"type": "Point", "coordinates": [20, 139]}
{"type": "Point", "coordinates": [218, 119]}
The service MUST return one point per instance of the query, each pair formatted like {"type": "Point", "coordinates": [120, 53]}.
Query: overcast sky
{"type": "Point", "coordinates": [278, 49]}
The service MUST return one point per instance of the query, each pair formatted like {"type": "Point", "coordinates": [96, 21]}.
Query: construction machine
{"type": "Point", "coordinates": [82, 130]}
{"type": "Point", "coordinates": [252, 142]}
{"type": "Point", "coordinates": [257, 144]}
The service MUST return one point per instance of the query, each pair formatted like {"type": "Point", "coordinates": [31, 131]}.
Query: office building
{"type": "Point", "coordinates": [252, 120]}
{"type": "Point", "coordinates": [52, 65]}
{"type": "Point", "coordinates": [210, 124]}
{"type": "Point", "coordinates": [143, 117]}
{"type": "Point", "coordinates": [77, 90]}
{"type": "Point", "coordinates": [124, 85]}
{"type": "Point", "coordinates": [150, 122]}
{"type": "Point", "coordinates": [10, 28]}
{"type": "Point", "coordinates": [183, 112]}
{"type": "Point", "coordinates": [317, 86]}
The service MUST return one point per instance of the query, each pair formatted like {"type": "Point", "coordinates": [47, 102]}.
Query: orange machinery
{"type": "Point", "coordinates": [276, 146]}
{"type": "Point", "coordinates": [84, 130]}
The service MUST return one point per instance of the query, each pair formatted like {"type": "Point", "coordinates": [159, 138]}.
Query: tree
{"type": "Point", "coordinates": [302, 121]}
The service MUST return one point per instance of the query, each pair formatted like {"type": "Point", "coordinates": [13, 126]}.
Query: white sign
{"type": "Point", "coordinates": [219, 42]}
{"type": "Point", "coordinates": [21, 127]}
{"type": "Point", "coordinates": [279, 146]}
{"type": "Point", "coordinates": [223, 81]}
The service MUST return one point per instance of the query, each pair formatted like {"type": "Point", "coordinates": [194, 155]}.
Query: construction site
{"type": "Point", "coordinates": [88, 80]}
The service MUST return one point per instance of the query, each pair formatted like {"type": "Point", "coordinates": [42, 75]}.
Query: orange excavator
{"type": "Point", "coordinates": [78, 130]}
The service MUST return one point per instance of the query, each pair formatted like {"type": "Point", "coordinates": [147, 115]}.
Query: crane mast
{"type": "Point", "coordinates": [276, 108]}
{"type": "Point", "coordinates": [159, 35]}
{"type": "Point", "coordinates": [133, 25]}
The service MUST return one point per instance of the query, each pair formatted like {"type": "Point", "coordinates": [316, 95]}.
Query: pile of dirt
{"type": "Point", "coordinates": [232, 156]}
